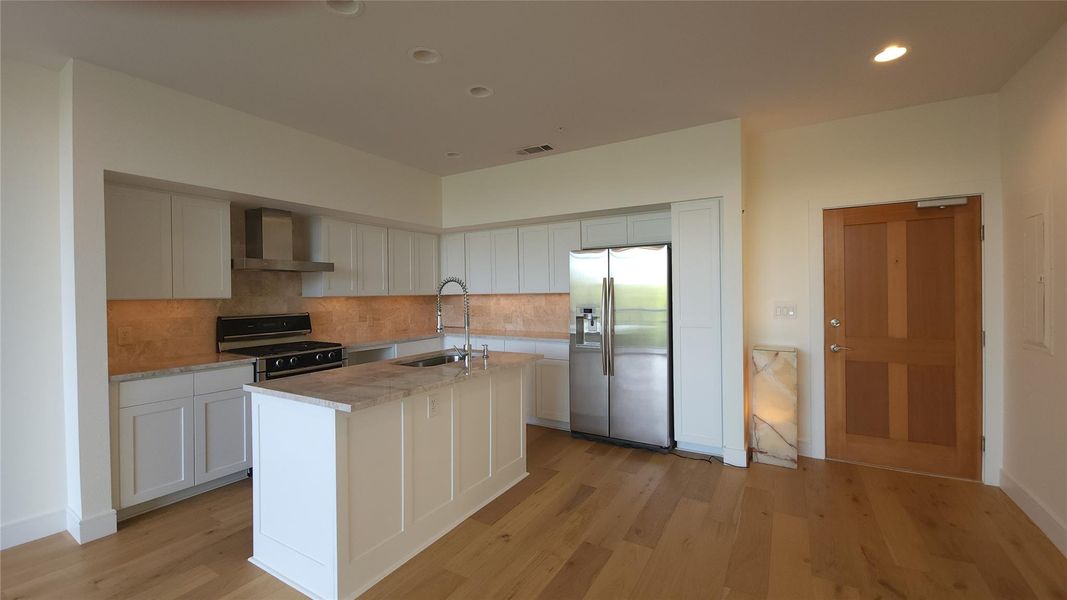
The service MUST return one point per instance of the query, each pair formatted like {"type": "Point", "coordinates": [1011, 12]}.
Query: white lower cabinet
{"type": "Point", "coordinates": [180, 431]}
{"type": "Point", "coordinates": [553, 391]}
{"type": "Point", "coordinates": [155, 450]}
{"type": "Point", "coordinates": [222, 434]}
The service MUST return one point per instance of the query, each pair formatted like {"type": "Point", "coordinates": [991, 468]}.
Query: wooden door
{"type": "Point", "coordinates": [903, 311]}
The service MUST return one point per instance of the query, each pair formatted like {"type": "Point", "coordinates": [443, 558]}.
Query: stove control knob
{"type": "Point", "coordinates": [332, 355]}
{"type": "Point", "coordinates": [293, 361]}
{"type": "Point", "coordinates": [279, 363]}
{"type": "Point", "coordinates": [319, 357]}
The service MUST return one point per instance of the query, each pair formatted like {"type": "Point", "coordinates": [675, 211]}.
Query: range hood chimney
{"type": "Point", "coordinates": [269, 244]}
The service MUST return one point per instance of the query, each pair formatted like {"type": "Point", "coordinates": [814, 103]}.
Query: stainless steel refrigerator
{"type": "Point", "coordinates": [620, 354]}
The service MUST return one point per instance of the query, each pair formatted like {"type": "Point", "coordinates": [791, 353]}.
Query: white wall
{"type": "Point", "coordinates": [688, 164]}
{"type": "Point", "coordinates": [32, 463]}
{"type": "Point", "coordinates": [1033, 111]}
{"type": "Point", "coordinates": [941, 149]}
{"type": "Point", "coordinates": [678, 165]}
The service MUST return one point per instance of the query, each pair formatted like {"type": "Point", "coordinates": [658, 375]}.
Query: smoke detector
{"type": "Point", "coordinates": [534, 149]}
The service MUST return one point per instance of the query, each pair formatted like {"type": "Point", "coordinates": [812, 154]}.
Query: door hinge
{"type": "Point", "coordinates": [983, 338]}
{"type": "Point", "coordinates": [983, 233]}
{"type": "Point", "coordinates": [983, 443]}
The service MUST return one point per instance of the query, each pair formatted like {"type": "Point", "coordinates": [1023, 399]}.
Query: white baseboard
{"type": "Point", "coordinates": [699, 448]}
{"type": "Point", "coordinates": [804, 448]}
{"type": "Point", "coordinates": [33, 528]}
{"type": "Point", "coordinates": [735, 457]}
{"type": "Point", "coordinates": [93, 528]}
{"type": "Point", "coordinates": [1047, 522]}
{"type": "Point", "coordinates": [552, 424]}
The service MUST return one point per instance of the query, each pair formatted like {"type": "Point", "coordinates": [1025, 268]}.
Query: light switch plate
{"type": "Point", "coordinates": [785, 310]}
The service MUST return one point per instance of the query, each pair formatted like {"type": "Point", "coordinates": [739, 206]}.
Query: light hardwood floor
{"type": "Point", "coordinates": [600, 521]}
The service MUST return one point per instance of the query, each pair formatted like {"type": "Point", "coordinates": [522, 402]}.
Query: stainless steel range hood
{"type": "Point", "coordinates": [269, 244]}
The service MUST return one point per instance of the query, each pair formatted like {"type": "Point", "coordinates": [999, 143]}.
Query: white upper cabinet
{"type": "Point", "coordinates": [401, 262]}
{"type": "Point", "coordinates": [138, 244]}
{"type": "Point", "coordinates": [649, 228]}
{"type": "Point", "coordinates": [453, 260]}
{"type": "Point", "coordinates": [604, 232]}
{"type": "Point", "coordinates": [479, 252]}
{"type": "Point", "coordinates": [505, 261]}
{"type": "Point", "coordinates": [160, 245]}
{"type": "Point", "coordinates": [535, 260]}
{"type": "Point", "coordinates": [372, 270]}
{"type": "Point", "coordinates": [427, 273]}
{"type": "Point", "coordinates": [627, 230]}
{"type": "Point", "coordinates": [200, 247]}
{"type": "Point", "coordinates": [335, 242]}
{"type": "Point", "coordinates": [412, 262]}
{"type": "Point", "coordinates": [562, 239]}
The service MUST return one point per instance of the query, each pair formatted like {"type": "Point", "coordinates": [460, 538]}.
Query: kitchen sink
{"type": "Point", "coordinates": [432, 361]}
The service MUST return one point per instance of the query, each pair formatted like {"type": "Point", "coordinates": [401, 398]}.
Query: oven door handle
{"type": "Point", "coordinates": [278, 374]}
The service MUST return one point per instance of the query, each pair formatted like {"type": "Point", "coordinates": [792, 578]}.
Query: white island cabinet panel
{"type": "Point", "coordinates": [341, 499]}
{"type": "Point", "coordinates": [475, 442]}
{"type": "Point", "coordinates": [431, 452]}
{"type": "Point", "coordinates": [509, 423]}
{"type": "Point", "coordinates": [375, 487]}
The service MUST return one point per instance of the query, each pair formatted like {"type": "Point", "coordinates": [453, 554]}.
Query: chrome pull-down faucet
{"type": "Point", "coordinates": [466, 316]}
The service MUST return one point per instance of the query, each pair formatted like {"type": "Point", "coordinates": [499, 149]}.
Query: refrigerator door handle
{"type": "Point", "coordinates": [610, 326]}
{"type": "Point", "coordinates": [604, 325]}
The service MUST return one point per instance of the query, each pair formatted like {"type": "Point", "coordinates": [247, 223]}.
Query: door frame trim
{"type": "Point", "coordinates": [992, 309]}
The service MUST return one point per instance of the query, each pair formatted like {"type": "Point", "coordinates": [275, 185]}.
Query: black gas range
{"type": "Point", "coordinates": [280, 344]}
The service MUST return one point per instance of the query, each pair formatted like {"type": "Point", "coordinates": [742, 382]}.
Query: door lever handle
{"type": "Point", "coordinates": [838, 348]}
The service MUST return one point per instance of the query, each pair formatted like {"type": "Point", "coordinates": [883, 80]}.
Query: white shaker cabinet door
{"type": "Point", "coordinates": [649, 228]}
{"type": "Point", "coordinates": [426, 264]}
{"type": "Point", "coordinates": [453, 260]}
{"type": "Point", "coordinates": [553, 390]}
{"type": "Point", "coordinates": [535, 260]}
{"type": "Point", "coordinates": [479, 262]}
{"type": "Point", "coordinates": [401, 262]}
{"type": "Point", "coordinates": [334, 242]}
{"type": "Point", "coordinates": [563, 238]}
{"type": "Point", "coordinates": [138, 245]}
{"type": "Point", "coordinates": [372, 272]}
{"type": "Point", "coordinates": [604, 232]}
{"type": "Point", "coordinates": [155, 450]}
{"type": "Point", "coordinates": [223, 428]}
{"type": "Point", "coordinates": [505, 261]}
{"type": "Point", "coordinates": [200, 246]}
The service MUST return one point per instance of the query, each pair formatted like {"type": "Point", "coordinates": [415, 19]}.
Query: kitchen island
{"type": "Point", "coordinates": [355, 470]}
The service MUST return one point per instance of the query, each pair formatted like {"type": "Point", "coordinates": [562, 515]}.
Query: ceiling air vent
{"type": "Point", "coordinates": [534, 149]}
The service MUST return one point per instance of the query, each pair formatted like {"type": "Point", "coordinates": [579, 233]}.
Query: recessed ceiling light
{"type": "Point", "coordinates": [348, 8]}
{"type": "Point", "coordinates": [480, 91]}
{"type": "Point", "coordinates": [890, 53]}
{"type": "Point", "coordinates": [452, 154]}
{"type": "Point", "coordinates": [426, 56]}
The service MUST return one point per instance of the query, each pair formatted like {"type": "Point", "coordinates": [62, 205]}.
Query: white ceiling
{"type": "Point", "coordinates": [601, 71]}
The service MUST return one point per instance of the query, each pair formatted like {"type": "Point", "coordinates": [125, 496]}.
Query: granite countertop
{"type": "Point", "coordinates": [358, 387]}
{"type": "Point", "coordinates": [143, 369]}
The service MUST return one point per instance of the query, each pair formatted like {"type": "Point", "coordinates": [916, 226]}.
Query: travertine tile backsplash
{"type": "Point", "coordinates": [141, 330]}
